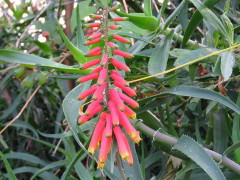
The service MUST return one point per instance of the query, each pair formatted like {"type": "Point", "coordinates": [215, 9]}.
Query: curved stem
{"type": "Point", "coordinates": [165, 139]}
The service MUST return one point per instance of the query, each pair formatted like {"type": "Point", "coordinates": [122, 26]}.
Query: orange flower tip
{"type": "Point", "coordinates": [132, 135]}
{"type": "Point", "coordinates": [114, 8]}
{"type": "Point", "coordinates": [120, 19]}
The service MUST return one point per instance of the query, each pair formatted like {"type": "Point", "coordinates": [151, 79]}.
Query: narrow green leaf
{"type": "Point", "coordinates": [43, 46]}
{"type": "Point", "coordinates": [77, 53]}
{"type": "Point", "coordinates": [48, 144]}
{"type": "Point", "coordinates": [48, 167]}
{"type": "Point", "coordinates": [80, 33]}
{"type": "Point", "coordinates": [174, 14]}
{"type": "Point", "coordinates": [191, 166]}
{"type": "Point", "coordinates": [227, 63]}
{"type": "Point", "coordinates": [159, 58]}
{"type": "Point", "coordinates": [33, 170]}
{"type": "Point", "coordinates": [236, 132]}
{"type": "Point", "coordinates": [8, 167]}
{"type": "Point", "coordinates": [71, 165]}
{"type": "Point", "coordinates": [27, 59]}
{"type": "Point", "coordinates": [230, 149]}
{"type": "Point", "coordinates": [195, 151]}
{"type": "Point", "coordinates": [148, 7]}
{"type": "Point", "coordinates": [192, 91]}
{"type": "Point", "coordinates": [14, 105]}
{"type": "Point", "coordinates": [195, 20]}
{"type": "Point", "coordinates": [210, 17]}
{"type": "Point", "coordinates": [25, 157]}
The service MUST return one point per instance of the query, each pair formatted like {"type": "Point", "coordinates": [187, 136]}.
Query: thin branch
{"type": "Point", "coordinates": [186, 64]}
{"type": "Point", "coordinates": [165, 139]}
{"type": "Point", "coordinates": [23, 108]}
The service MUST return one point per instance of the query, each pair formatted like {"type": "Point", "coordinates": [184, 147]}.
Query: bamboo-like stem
{"type": "Point", "coordinates": [186, 64]}
{"type": "Point", "coordinates": [168, 140]}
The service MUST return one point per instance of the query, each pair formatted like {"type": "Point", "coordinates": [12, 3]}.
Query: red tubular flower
{"type": "Point", "coordinates": [88, 77]}
{"type": "Point", "coordinates": [104, 59]}
{"type": "Point", "coordinates": [90, 64]}
{"type": "Point", "coordinates": [97, 69]}
{"type": "Point", "coordinates": [112, 45]}
{"type": "Point", "coordinates": [128, 100]}
{"type": "Point", "coordinates": [92, 106]}
{"type": "Point", "coordinates": [114, 8]}
{"type": "Point", "coordinates": [85, 118]}
{"type": "Point", "coordinates": [104, 150]}
{"type": "Point", "coordinates": [119, 79]}
{"type": "Point", "coordinates": [123, 120]}
{"type": "Point", "coordinates": [94, 16]}
{"type": "Point", "coordinates": [96, 54]}
{"type": "Point", "coordinates": [127, 90]}
{"type": "Point", "coordinates": [95, 36]}
{"type": "Point", "coordinates": [93, 51]}
{"type": "Point", "coordinates": [98, 93]}
{"type": "Point", "coordinates": [115, 27]}
{"type": "Point", "coordinates": [129, 112]}
{"type": "Point", "coordinates": [102, 76]}
{"type": "Point", "coordinates": [96, 138]}
{"type": "Point", "coordinates": [130, 158]}
{"type": "Point", "coordinates": [121, 39]}
{"type": "Point", "coordinates": [119, 65]}
{"type": "Point", "coordinates": [116, 73]}
{"type": "Point", "coordinates": [115, 97]}
{"type": "Point", "coordinates": [109, 126]}
{"type": "Point", "coordinates": [122, 53]}
{"type": "Point", "coordinates": [123, 151]}
{"type": "Point", "coordinates": [92, 25]}
{"type": "Point", "coordinates": [120, 19]}
{"type": "Point", "coordinates": [88, 92]}
{"type": "Point", "coordinates": [114, 114]}
{"type": "Point", "coordinates": [87, 43]}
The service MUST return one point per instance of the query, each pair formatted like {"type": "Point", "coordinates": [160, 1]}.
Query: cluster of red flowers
{"type": "Point", "coordinates": [109, 100]}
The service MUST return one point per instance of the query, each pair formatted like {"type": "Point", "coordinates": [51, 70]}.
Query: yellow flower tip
{"type": "Point", "coordinates": [137, 140]}
{"type": "Point", "coordinates": [91, 150]}
{"type": "Point", "coordinates": [134, 116]}
{"type": "Point", "coordinates": [122, 109]}
{"type": "Point", "coordinates": [132, 135]}
{"type": "Point", "coordinates": [124, 155]}
{"type": "Point", "coordinates": [108, 135]}
{"type": "Point", "coordinates": [101, 165]}
{"type": "Point", "coordinates": [115, 124]}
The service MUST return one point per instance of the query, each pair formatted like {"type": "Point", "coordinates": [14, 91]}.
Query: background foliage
{"type": "Point", "coordinates": [188, 115]}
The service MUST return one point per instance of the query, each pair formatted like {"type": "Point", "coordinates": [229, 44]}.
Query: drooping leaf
{"type": "Point", "coordinates": [8, 167]}
{"type": "Point", "coordinates": [27, 59]}
{"type": "Point", "coordinates": [195, 151]}
{"type": "Point", "coordinates": [188, 56]}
